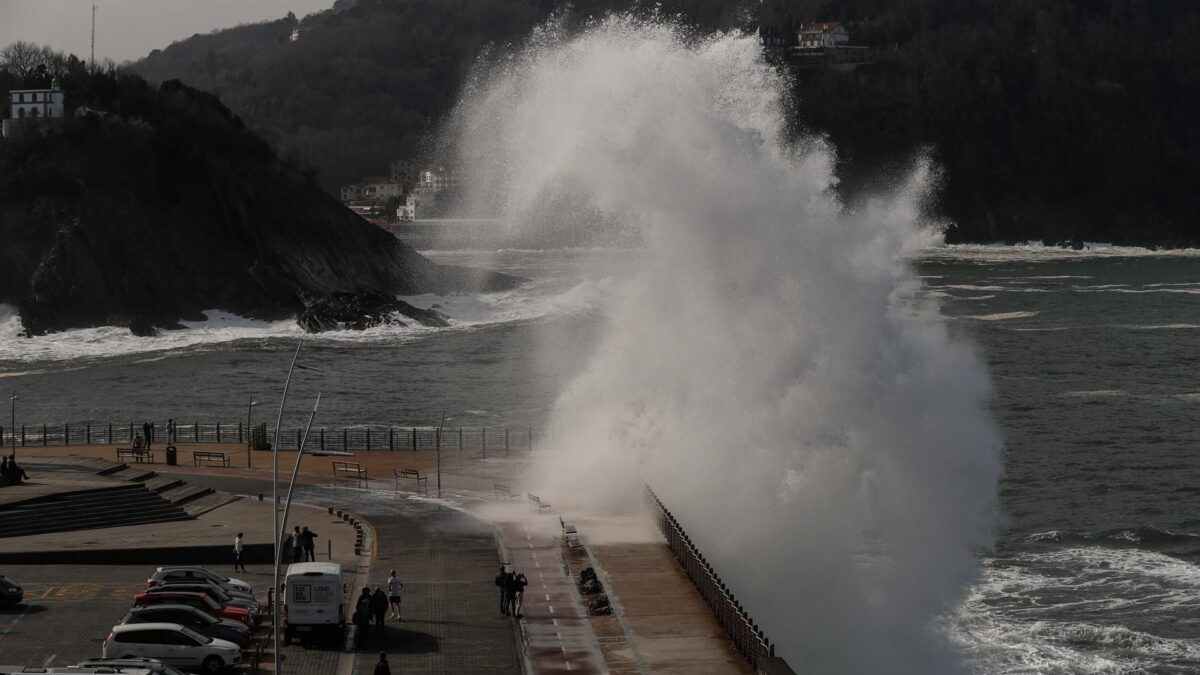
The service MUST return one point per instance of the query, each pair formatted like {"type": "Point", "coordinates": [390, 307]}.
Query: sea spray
{"type": "Point", "coordinates": [770, 368]}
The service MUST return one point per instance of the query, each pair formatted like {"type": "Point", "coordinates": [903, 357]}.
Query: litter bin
{"type": "Point", "coordinates": [171, 460]}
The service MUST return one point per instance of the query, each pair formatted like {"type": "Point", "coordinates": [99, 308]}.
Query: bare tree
{"type": "Point", "coordinates": [22, 58]}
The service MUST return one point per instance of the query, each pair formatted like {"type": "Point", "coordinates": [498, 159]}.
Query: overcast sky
{"type": "Point", "coordinates": [129, 29]}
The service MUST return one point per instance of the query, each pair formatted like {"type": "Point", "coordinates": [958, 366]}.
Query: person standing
{"type": "Point", "coordinates": [500, 576]}
{"type": "Point", "coordinates": [297, 545]}
{"type": "Point", "coordinates": [147, 433]}
{"type": "Point", "coordinates": [362, 615]}
{"type": "Point", "coordinates": [393, 587]}
{"type": "Point", "coordinates": [379, 606]}
{"type": "Point", "coordinates": [237, 553]}
{"type": "Point", "coordinates": [171, 431]}
{"type": "Point", "coordinates": [4, 471]}
{"type": "Point", "coordinates": [308, 541]}
{"type": "Point", "coordinates": [519, 584]}
{"type": "Point", "coordinates": [382, 668]}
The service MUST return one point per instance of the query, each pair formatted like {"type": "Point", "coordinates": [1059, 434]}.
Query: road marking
{"type": "Point", "coordinates": [547, 597]}
{"type": "Point", "coordinates": [554, 621]}
{"type": "Point", "coordinates": [48, 661]}
{"type": "Point", "coordinates": [551, 608]}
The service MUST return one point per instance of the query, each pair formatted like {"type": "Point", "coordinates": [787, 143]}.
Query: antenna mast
{"type": "Point", "coordinates": [93, 36]}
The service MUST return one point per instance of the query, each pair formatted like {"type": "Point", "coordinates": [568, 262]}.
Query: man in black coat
{"type": "Point", "coordinates": [379, 608]}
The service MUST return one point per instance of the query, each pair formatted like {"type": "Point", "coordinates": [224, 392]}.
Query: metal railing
{"type": "Point", "coordinates": [742, 631]}
{"type": "Point", "coordinates": [496, 441]}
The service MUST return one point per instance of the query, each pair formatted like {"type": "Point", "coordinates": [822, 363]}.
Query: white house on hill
{"type": "Point", "coordinates": [815, 35]}
{"type": "Point", "coordinates": [33, 104]}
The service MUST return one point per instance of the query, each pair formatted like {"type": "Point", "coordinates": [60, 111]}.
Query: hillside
{"type": "Point", "coordinates": [162, 205]}
{"type": "Point", "coordinates": [1055, 119]}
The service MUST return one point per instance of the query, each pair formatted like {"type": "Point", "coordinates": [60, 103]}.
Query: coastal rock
{"type": "Point", "coordinates": [171, 208]}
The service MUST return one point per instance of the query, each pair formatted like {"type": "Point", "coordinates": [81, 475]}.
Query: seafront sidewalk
{"type": "Point", "coordinates": [447, 560]}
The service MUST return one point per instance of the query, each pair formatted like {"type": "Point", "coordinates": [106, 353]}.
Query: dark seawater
{"type": "Point", "coordinates": [1094, 358]}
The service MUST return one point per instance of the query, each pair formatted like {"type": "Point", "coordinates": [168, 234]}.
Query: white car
{"type": "Point", "coordinates": [195, 573]}
{"type": "Point", "coordinates": [172, 644]}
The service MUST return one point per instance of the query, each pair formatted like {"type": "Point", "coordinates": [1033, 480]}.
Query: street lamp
{"type": "Point", "coordinates": [13, 427]}
{"type": "Point", "coordinates": [249, 430]}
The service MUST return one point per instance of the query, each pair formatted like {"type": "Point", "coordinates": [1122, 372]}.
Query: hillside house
{"type": "Point", "coordinates": [821, 35]}
{"type": "Point", "coordinates": [27, 105]}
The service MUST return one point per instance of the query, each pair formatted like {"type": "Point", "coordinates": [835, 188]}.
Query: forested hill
{"type": "Point", "coordinates": [1054, 119]}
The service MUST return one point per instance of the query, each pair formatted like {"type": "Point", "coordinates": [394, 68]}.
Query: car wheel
{"type": "Point", "coordinates": [213, 664]}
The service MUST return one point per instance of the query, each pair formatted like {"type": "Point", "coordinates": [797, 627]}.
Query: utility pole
{"type": "Point", "coordinates": [93, 36]}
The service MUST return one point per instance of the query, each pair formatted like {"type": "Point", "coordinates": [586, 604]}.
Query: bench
{"type": "Point", "coordinates": [570, 534]}
{"type": "Point", "coordinates": [502, 490]}
{"type": "Point", "coordinates": [538, 500]}
{"type": "Point", "coordinates": [216, 457]}
{"type": "Point", "coordinates": [138, 455]}
{"type": "Point", "coordinates": [350, 470]}
{"type": "Point", "coordinates": [411, 474]}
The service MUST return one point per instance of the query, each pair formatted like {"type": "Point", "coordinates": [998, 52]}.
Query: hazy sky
{"type": "Point", "coordinates": [129, 29]}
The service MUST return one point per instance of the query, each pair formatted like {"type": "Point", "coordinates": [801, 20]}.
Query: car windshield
{"type": "Point", "coordinates": [209, 601]}
{"type": "Point", "coordinates": [196, 636]}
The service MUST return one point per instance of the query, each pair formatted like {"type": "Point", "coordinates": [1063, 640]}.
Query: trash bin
{"type": "Point", "coordinates": [171, 452]}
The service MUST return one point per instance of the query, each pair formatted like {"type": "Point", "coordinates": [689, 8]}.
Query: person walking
{"type": "Point", "coordinates": [510, 592]}
{"type": "Point", "coordinates": [297, 545]}
{"type": "Point", "coordinates": [362, 615]}
{"type": "Point", "coordinates": [393, 588]}
{"type": "Point", "coordinates": [382, 668]}
{"type": "Point", "coordinates": [379, 607]}
{"type": "Point", "coordinates": [519, 584]}
{"type": "Point", "coordinates": [237, 553]}
{"type": "Point", "coordinates": [308, 541]}
{"type": "Point", "coordinates": [500, 577]}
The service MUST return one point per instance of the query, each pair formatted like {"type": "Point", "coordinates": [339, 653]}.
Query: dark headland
{"type": "Point", "coordinates": [155, 204]}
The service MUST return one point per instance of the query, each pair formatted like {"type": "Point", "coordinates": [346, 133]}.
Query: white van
{"type": "Point", "coordinates": [314, 599]}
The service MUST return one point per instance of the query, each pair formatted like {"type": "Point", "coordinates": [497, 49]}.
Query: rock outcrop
{"type": "Point", "coordinates": [168, 206]}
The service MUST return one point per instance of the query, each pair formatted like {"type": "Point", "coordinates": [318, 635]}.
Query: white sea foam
{"type": "Point", "coordinates": [1002, 316]}
{"type": "Point", "coordinates": [770, 365]}
{"type": "Point", "coordinates": [1034, 252]}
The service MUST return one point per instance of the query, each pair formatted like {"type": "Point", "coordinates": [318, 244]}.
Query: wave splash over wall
{"type": "Point", "coordinates": [770, 368]}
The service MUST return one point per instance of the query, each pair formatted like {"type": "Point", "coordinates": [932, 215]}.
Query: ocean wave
{"type": "Point", "coordinates": [1038, 251]}
{"type": "Point", "coordinates": [1084, 609]}
{"type": "Point", "coordinates": [1095, 393]}
{"type": "Point", "coordinates": [1001, 316]}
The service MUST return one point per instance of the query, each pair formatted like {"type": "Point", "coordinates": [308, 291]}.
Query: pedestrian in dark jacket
{"type": "Point", "coordinates": [500, 576]}
{"type": "Point", "coordinates": [379, 608]}
{"type": "Point", "coordinates": [382, 668]}
{"type": "Point", "coordinates": [362, 615]}
{"type": "Point", "coordinates": [510, 592]}
{"type": "Point", "coordinates": [519, 583]}
{"type": "Point", "coordinates": [308, 541]}
{"type": "Point", "coordinates": [297, 545]}
{"type": "Point", "coordinates": [148, 433]}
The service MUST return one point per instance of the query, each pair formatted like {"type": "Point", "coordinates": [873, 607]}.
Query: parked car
{"type": "Point", "coordinates": [11, 592]}
{"type": "Point", "coordinates": [62, 670]}
{"type": "Point", "coordinates": [223, 598]}
{"type": "Point", "coordinates": [198, 600]}
{"type": "Point", "coordinates": [172, 644]}
{"type": "Point", "coordinates": [194, 573]}
{"type": "Point", "coordinates": [132, 665]}
{"type": "Point", "coordinates": [201, 622]}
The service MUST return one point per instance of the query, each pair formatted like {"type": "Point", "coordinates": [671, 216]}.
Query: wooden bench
{"type": "Point", "coordinates": [350, 470]}
{"type": "Point", "coordinates": [411, 474]}
{"type": "Point", "coordinates": [570, 534]}
{"type": "Point", "coordinates": [215, 457]}
{"type": "Point", "coordinates": [138, 455]}
{"type": "Point", "coordinates": [538, 500]}
{"type": "Point", "coordinates": [502, 490]}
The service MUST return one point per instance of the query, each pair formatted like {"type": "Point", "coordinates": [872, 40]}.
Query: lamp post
{"type": "Point", "coordinates": [249, 430]}
{"type": "Point", "coordinates": [13, 425]}
{"type": "Point", "coordinates": [439, 453]}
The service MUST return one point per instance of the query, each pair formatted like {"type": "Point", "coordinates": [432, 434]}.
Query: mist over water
{"type": "Point", "coordinates": [769, 366]}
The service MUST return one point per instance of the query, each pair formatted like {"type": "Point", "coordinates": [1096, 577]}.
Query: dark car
{"type": "Point", "coordinates": [199, 601]}
{"type": "Point", "coordinates": [201, 622]}
{"type": "Point", "coordinates": [10, 592]}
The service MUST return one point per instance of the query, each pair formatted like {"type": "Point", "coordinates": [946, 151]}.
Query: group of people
{"type": "Point", "coordinates": [145, 439]}
{"type": "Point", "coordinates": [378, 605]}
{"type": "Point", "coordinates": [303, 544]}
{"type": "Point", "coordinates": [11, 473]}
{"type": "Point", "coordinates": [512, 591]}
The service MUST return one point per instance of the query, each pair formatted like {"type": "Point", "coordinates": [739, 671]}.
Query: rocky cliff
{"type": "Point", "coordinates": [164, 205]}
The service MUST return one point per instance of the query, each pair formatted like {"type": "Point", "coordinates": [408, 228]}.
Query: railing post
{"type": "Point", "coordinates": [506, 441]}
{"type": "Point", "coordinates": [414, 439]}
{"type": "Point", "coordinates": [485, 442]}
{"type": "Point", "coordinates": [240, 432]}
{"type": "Point", "coordinates": [298, 433]}
{"type": "Point", "coordinates": [322, 438]}
{"type": "Point", "coordinates": [344, 446]}
{"type": "Point", "coordinates": [368, 439]}
{"type": "Point", "coordinates": [88, 437]}
{"type": "Point", "coordinates": [218, 432]}
{"type": "Point", "coordinates": [66, 434]}
{"type": "Point", "coordinates": [196, 435]}
{"type": "Point", "coordinates": [391, 438]}
{"type": "Point", "coordinates": [460, 439]}
{"type": "Point", "coordinates": [43, 435]}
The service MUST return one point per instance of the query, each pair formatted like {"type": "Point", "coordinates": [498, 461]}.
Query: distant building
{"type": "Point", "coordinates": [407, 211]}
{"type": "Point", "coordinates": [435, 179]}
{"type": "Point", "coordinates": [351, 193]}
{"type": "Point", "coordinates": [381, 190]}
{"type": "Point", "coordinates": [776, 41]}
{"type": "Point", "coordinates": [815, 35]}
{"type": "Point", "coordinates": [27, 105]}
{"type": "Point", "coordinates": [826, 45]}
